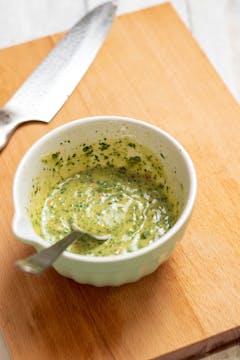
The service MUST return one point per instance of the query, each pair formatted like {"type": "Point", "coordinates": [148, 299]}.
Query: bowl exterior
{"type": "Point", "coordinates": [116, 273]}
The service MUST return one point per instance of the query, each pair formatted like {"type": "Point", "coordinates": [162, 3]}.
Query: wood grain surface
{"type": "Point", "coordinates": [149, 68]}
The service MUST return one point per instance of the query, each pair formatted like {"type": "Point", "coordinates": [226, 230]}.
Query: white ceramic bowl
{"type": "Point", "coordinates": [112, 270]}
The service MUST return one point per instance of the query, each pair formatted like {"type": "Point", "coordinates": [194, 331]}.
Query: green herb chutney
{"type": "Point", "coordinates": [115, 187]}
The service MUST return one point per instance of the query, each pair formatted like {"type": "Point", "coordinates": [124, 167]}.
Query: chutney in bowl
{"type": "Point", "coordinates": [108, 175]}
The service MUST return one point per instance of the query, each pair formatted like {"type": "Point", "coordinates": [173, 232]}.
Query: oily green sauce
{"type": "Point", "coordinates": [119, 190]}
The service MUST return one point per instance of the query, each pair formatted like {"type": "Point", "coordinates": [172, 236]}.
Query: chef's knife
{"type": "Point", "coordinates": [48, 87]}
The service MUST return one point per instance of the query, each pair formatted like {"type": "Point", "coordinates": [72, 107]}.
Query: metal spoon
{"type": "Point", "coordinates": [41, 261]}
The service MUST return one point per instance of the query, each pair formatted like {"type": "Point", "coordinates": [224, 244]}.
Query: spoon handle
{"type": "Point", "coordinates": [41, 261]}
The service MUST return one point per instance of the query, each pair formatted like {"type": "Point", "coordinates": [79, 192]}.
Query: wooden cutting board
{"type": "Point", "coordinates": [149, 68]}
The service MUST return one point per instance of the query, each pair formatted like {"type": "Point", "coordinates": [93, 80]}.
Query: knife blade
{"type": "Point", "coordinates": [45, 91]}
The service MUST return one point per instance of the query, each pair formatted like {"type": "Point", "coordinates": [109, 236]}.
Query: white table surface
{"type": "Point", "coordinates": [215, 24]}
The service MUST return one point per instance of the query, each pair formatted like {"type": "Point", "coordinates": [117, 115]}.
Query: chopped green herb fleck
{"type": "Point", "coordinates": [132, 145]}
{"type": "Point", "coordinates": [134, 159]}
{"type": "Point", "coordinates": [103, 146]}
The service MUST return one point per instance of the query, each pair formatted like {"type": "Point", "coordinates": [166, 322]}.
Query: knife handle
{"type": "Point", "coordinates": [7, 126]}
